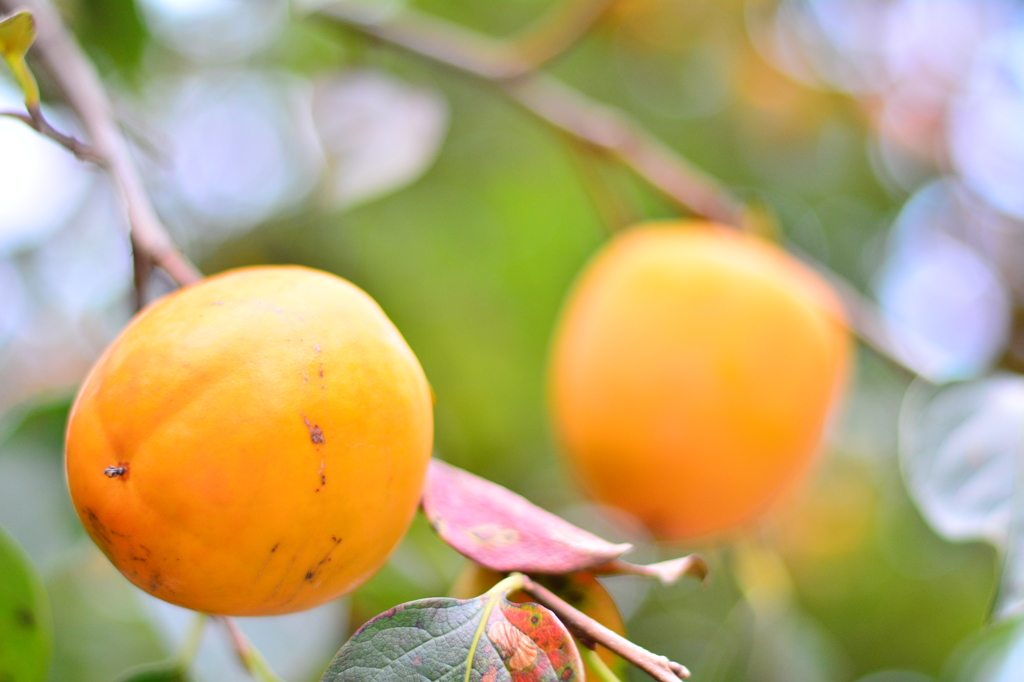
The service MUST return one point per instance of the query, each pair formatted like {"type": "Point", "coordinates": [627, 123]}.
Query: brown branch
{"type": "Point", "coordinates": [611, 131]}
{"type": "Point", "coordinates": [84, 93]}
{"type": "Point", "coordinates": [587, 629]}
{"type": "Point", "coordinates": [601, 127]}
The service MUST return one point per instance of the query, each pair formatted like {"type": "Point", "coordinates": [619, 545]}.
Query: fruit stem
{"type": "Point", "coordinates": [597, 665]}
{"type": "Point", "coordinates": [504, 586]}
{"type": "Point", "coordinates": [588, 629]}
{"type": "Point", "coordinates": [249, 655]}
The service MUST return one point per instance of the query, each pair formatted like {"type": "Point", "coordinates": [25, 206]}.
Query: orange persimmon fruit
{"type": "Point", "coordinates": [692, 373]}
{"type": "Point", "coordinates": [253, 444]}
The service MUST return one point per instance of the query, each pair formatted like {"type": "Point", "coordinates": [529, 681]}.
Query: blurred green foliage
{"type": "Point", "coordinates": [25, 633]}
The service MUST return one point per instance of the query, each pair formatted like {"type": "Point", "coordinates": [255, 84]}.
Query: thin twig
{"type": "Point", "coordinates": [599, 126]}
{"type": "Point", "coordinates": [238, 640]}
{"type": "Point", "coordinates": [249, 656]}
{"type": "Point", "coordinates": [39, 124]}
{"type": "Point", "coordinates": [658, 667]}
{"type": "Point", "coordinates": [84, 93]}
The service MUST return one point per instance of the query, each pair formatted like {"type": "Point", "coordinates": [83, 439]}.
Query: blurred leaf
{"type": "Point", "coordinates": [436, 639]}
{"type": "Point", "coordinates": [100, 628]}
{"type": "Point", "coordinates": [112, 28]}
{"type": "Point", "coordinates": [379, 134]}
{"type": "Point", "coordinates": [503, 531]}
{"type": "Point", "coordinates": [165, 671]}
{"type": "Point", "coordinates": [25, 632]}
{"type": "Point", "coordinates": [960, 451]}
{"type": "Point", "coordinates": [17, 33]}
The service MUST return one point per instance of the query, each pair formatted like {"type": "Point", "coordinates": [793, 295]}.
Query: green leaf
{"type": "Point", "coordinates": [164, 671]}
{"type": "Point", "coordinates": [17, 33]}
{"type": "Point", "coordinates": [25, 630]}
{"type": "Point", "coordinates": [441, 639]}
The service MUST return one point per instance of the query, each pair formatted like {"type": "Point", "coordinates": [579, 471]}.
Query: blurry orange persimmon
{"type": "Point", "coordinates": [692, 374]}
{"type": "Point", "coordinates": [253, 444]}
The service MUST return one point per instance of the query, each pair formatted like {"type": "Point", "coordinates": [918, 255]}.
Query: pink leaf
{"type": "Point", "coordinates": [503, 531]}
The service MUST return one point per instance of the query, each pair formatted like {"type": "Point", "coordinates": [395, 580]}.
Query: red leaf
{"type": "Point", "coordinates": [503, 531]}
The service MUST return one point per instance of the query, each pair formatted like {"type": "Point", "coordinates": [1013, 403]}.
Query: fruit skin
{"type": "Point", "coordinates": [692, 373]}
{"type": "Point", "coordinates": [275, 429]}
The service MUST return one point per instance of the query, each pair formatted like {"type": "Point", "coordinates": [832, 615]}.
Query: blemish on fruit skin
{"type": "Point", "coordinates": [313, 572]}
{"type": "Point", "coordinates": [316, 347]}
{"type": "Point", "coordinates": [316, 434]}
{"type": "Point", "coordinates": [98, 528]}
{"type": "Point", "coordinates": [269, 557]}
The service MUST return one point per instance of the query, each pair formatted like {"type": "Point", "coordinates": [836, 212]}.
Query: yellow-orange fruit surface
{"type": "Point", "coordinates": [692, 374]}
{"type": "Point", "coordinates": [253, 444]}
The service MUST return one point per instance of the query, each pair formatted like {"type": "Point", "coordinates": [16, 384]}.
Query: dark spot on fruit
{"type": "Point", "coordinates": [99, 530]}
{"type": "Point", "coordinates": [309, 575]}
{"type": "Point", "coordinates": [323, 479]}
{"type": "Point", "coordinates": [24, 617]}
{"type": "Point", "coordinates": [321, 371]}
{"type": "Point", "coordinates": [274, 548]}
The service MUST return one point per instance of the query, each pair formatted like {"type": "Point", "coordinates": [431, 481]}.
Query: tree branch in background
{"type": "Point", "coordinates": [601, 127]}
{"type": "Point", "coordinates": [604, 128]}
{"type": "Point", "coordinates": [589, 630]}
{"type": "Point", "coordinates": [84, 93]}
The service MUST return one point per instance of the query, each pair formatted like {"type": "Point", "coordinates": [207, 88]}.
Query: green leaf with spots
{"type": "Point", "coordinates": [486, 639]}
{"type": "Point", "coordinates": [164, 671]}
{"type": "Point", "coordinates": [25, 630]}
